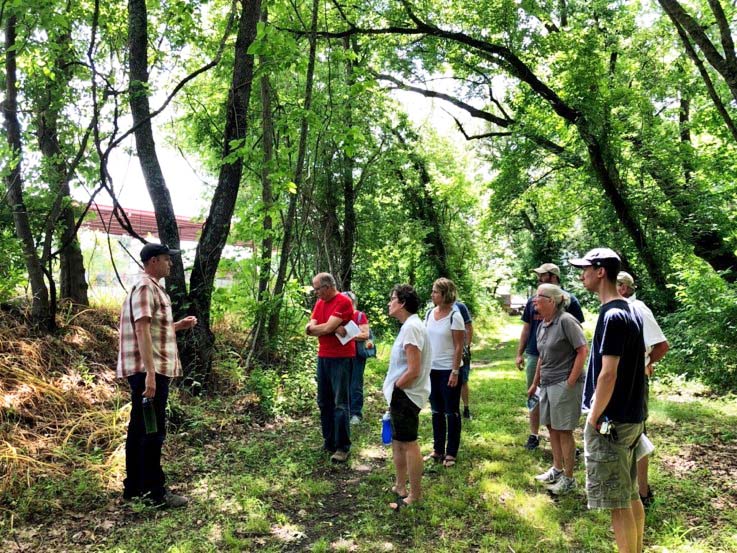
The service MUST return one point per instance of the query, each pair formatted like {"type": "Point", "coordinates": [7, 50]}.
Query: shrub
{"type": "Point", "coordinates": [703, 331]}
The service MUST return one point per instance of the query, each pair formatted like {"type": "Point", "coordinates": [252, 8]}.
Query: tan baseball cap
{"type": "Point", "coordinates": [548, 268]}
{"type": "Point", "coordinates": [626, 279]}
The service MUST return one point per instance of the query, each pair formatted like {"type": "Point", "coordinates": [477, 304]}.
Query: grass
{"type": "Point", "coordinates": [268, 487]}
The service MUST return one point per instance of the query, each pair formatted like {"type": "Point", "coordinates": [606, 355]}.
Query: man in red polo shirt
{"type": "Point", "coordinates": [331, 311]}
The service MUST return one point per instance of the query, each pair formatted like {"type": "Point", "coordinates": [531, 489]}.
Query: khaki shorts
{"type": "Point", "coordinates": [560, 406]}
{"type": "Point", "coordinates": [611, 467]}
{"type": "Point", "coordinates": [530, 366]}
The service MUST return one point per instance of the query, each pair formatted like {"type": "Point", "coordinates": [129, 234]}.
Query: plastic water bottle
{"type": "Point", "coordinates": [386, 429]}
{"type": "Point", "coordinates": [149, 416]}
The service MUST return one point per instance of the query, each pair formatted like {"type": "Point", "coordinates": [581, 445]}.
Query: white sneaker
{"type": "Point", "coordinates": [550, 476]}
{"type": "Point", "coordinates": [563, 486]}
{"type": "Point", "coordinates": [355, 420]}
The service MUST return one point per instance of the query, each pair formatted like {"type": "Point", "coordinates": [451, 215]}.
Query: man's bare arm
{"type": "Point", "coordinates": [325, 328]}
{"type": "Point", "coordinates": [604, 387]}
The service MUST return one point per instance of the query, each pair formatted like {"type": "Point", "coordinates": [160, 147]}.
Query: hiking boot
{"type": "Point", "coordinates": [563, 486]}
{"type": "Point", "coordinates": [355, 419]}
{"type": "Point", "coordinates": [466, 413]}
{"type": "Point", "coordinates": [173, 500]}
{"type": "Point", "coordinates": [533, 442]}
{"type": "Point", "coordinates": [550, 476]}
{"type": "Point", "coordinates": [339, 457]}
{"type": "Point", "coordinates": [647, 500]}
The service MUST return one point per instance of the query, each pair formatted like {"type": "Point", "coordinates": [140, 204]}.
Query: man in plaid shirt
{"type": "Point", "coordinates": [148, 358]}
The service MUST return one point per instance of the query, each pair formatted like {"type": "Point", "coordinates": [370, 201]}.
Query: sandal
{"type": "Point", "coordinates": [433, 457]}
{"type": "Point", "coordinates": [449, 462]}
{"type": "Point", "coordinates": [400, 503]}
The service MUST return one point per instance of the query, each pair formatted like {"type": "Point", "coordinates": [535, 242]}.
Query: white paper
{"type": "Point", "coordinates": [351, 331]}
{"type": "Point", "coordinates": [644, 447]}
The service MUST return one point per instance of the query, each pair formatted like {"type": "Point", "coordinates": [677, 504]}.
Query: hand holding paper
{"type": "Point", "coordinates": [351, 331]}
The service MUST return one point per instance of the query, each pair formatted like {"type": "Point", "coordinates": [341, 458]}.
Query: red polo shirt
{"type": "Point", "coordinates": [340, 306]}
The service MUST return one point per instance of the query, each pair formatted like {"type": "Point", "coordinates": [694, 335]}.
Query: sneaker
{"type": "Point", "coordinates": [533, 442]}
{"type": "Point", "coordinates": [563, 486]}
{"type": "Point", "coordinates": [550, 476]}
{"type": "Point", "coordinates": [173, 500]}
{"type": "Point", "coordinates": [647, 500]}
{"type": "Point", "coordinates": [339, 457]}
{"type": "Point", "coordinates": [355, 419]}
{"type": "Point", "coordinates": [466, 413]}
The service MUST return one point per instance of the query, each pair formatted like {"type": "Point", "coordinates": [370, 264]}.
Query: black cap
{"type": "Point", "coordinates": [152, 250]}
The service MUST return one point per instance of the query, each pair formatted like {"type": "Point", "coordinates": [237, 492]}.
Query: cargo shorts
{"type": "Point", "coordinates": [611, 467]}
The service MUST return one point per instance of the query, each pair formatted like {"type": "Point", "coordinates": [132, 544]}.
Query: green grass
{"type": "Point", "coordinates": [269, 488]}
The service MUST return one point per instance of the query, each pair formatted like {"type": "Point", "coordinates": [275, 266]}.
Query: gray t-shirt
{"type": "Point", "coordinates": [557, 342]}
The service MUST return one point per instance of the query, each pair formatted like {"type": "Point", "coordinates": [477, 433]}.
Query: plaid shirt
{"type": "Point", "coordinates": [148, 299]}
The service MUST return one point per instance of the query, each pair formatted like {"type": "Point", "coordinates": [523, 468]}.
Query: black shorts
{"type": "Point", "coordinates": [405, 417]}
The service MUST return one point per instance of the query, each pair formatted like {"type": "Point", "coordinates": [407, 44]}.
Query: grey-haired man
{"type": "Point", "coordinates": [546, 273]}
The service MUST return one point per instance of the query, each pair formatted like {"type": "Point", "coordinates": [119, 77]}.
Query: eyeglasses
{"type": "Point", "coordinates": [315, 290]}
{"type": "Point", "coordinates": [539, 296]}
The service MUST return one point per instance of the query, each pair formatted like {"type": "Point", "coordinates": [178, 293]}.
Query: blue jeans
{"type": "Point", "coordinates": [445, 403]}
{"type": "Point", "coordinates": [144, 475]}
{"type": "Point", "coordinates": [333, 380]}
{"type": "Point", "coordinates": [359, 365]}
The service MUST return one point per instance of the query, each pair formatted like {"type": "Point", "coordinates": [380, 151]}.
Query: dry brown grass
{"type": "Point", "coordinates": [58, 391]}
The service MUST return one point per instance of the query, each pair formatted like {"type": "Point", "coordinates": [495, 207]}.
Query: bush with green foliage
{"type": "Point", "coordinates": [701, 328]}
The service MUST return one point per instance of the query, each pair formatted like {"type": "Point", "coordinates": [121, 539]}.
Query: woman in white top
{"type": "Point", "coordinates": [406, 389]}
{"type": "Point", "coordinates": [446, 332]}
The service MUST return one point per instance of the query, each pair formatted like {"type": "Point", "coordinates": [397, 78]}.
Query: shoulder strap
{"type": "Point", "coordinates": [130, 306]}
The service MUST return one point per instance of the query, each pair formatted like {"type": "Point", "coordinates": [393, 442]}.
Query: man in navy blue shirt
{"type": "Point", "coordinates": [546, 273]}
{"type": "Point", "coordinates": [614, 396]}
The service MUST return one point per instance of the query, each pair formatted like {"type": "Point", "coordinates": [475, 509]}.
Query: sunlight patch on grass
{"type": "Point", "coordinates": [533, 508]}
{"type": "Point", "coordinates": [495, 375]}
{"type": "Point", "coordinates": [374, 452]}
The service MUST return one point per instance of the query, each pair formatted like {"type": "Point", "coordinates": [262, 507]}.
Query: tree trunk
{"type": "Point", "coordinates": [166, 221]}
{"type": "Point", "coordinates": [40, 308]}
{"type": "Point", "coordinates": [286, 247]}
{"type": "Point", "coordinates": [261, 335]}
{"type": "Point", "coordinates": [348, 243]}
{"type": "Point", "coordinates": [725, 65]}
{"type": "Point", "coordinates": [197, 353]}
{"type": "Point", "coordinates": [608, 176]}
{"type": "Point", "coordinates": [422, 208]}
{"type": "Point", "coordinates": [73, 281]}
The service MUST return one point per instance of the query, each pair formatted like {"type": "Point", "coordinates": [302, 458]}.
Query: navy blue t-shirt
{"type": "Point", "coordinates": [533, 318]}
{"type": "Point", "coordinates": [619, 332]}
{"type": "Point", "coordinates": [465, 313]}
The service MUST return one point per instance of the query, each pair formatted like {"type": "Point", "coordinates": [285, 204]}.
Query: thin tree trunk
{"type": "Point", "coordinates": [73, 281]}
{"type": "Point", "coordinates": [261, 335]}
{"type": "Point", "coordinates": [40, 308]}
{"type": "Point", "coordinates": [348, 162]}
{"type": "Point", "coordinates": [422, 208]}
{"type": "Point", "coordinates": [197, 354]}
{"type": "Point", "coordinates": [166, 221]}
{"type": "Point", "coordinates": [286, 248]}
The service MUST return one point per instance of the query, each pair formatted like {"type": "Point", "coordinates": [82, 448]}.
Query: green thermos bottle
{"type": "Point", "coordinates": [149, 415]}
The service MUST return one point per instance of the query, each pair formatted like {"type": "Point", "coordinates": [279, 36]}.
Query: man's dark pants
{"type": "Point", "coordinates": [143, 451]}
{"type": "Point", "coordinates": [333, 397]}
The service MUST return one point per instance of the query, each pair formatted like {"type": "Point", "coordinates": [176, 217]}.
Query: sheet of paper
{"type": "Point", "coordinates": [351, 330]}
